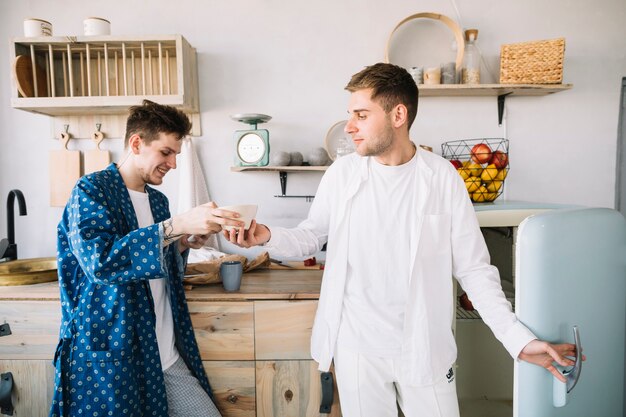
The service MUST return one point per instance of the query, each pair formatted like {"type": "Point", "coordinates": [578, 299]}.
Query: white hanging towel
{"type": "Point", "coordinates": [192, 192]}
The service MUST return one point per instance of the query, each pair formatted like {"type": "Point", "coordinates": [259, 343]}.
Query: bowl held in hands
{"type": "Point", "coordinates": [247, 213]}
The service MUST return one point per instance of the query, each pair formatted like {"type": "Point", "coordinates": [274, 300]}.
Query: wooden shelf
{"type": "Point", "coordinates": [466, 90]}
{"type": "Point", "coordinates": [501, 91]}
{"type": "Point", "coordinates": [86, 75]}
{"type": "Point", "coordinates": [305, 168]}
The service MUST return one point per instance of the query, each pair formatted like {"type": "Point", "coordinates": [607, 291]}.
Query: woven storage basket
{"type": "Point", "coordinates": [537, 62]}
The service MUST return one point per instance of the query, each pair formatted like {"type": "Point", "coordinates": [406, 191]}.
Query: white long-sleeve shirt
{"type": "Point", "coordinates": [445, 241]}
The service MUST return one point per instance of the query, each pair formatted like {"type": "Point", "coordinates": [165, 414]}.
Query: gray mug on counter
{"type": "Point", "coordinates": [230, 272]}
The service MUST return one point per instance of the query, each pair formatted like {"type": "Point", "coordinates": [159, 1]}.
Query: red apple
{"type": "Point", "coordinates": [466, 303]}
{"type": "Point", "coordinates": [457, 164]}
{"type": "Point", "coordinates": [499, 159]}
{"type": "Point", "coordinates": [481, 153]}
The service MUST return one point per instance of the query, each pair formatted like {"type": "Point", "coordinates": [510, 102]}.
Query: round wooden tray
{"type": "Point", "coordinates": [458, 34]}
{"type": "Point", "coordinates": [28, 271]}
{"type": "Point", "coordinates": [23, 73]}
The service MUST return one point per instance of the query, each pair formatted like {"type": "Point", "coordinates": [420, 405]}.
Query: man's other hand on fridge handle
{"type": "Point", "coordinates": [544, 354]}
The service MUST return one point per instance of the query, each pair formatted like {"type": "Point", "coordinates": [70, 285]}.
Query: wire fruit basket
{"type": "Point", "coordinates": [483, 164]}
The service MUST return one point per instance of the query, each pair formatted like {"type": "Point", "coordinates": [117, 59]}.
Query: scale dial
{"type": "Point", "coordinates": [251, 148]}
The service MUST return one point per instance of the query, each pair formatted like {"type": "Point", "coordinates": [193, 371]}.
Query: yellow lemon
{"type": "Point", "coordinates": [489, 173]}
{"type": "Point", "coordinates": [474, 169]}
{"type": "Point", "coordinates": [494, 186]}
{"type": "Point", "coordinates": [479, 195]}
{"type": "Point", "coordinates": [464, 173]}
{"type": "Point", "coordinates": [466, 163]}
{"type": "Point", "coordinates": [490, 196]}
{"type": "Point", "coordinates": [501, 174]}
{"type": "Point", "coordinates": [472, 184]}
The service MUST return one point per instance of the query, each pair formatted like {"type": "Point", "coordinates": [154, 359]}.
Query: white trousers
{"type": "Point", "coordinates": [369, 386]}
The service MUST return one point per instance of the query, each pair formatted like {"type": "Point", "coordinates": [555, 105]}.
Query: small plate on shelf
{"type": "Point", "coordinates": [337, 137]}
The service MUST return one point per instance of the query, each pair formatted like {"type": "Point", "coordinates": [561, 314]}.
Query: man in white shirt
{"type": "Point", "coordinates": [399, 224]}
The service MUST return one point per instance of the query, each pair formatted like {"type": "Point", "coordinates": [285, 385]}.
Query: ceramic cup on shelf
{"type": "Point", "coordinates": [37, 27]}
{"type": "Point", "coordinates": [432, 75]}
{"type": "Point", "coordinates": [230, 272]}
{"type": "Point", "coordinates": [448, 73]}
{"type": "Point", "coordinates": [96, 26]}
{"type": "Point", "coordinates": [418, 74]}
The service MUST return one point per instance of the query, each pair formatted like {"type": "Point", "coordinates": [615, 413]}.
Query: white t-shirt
{"type": "Point", "coordinates": [160, 290]}
{"type": "Point", "coordinates": [377, 284]}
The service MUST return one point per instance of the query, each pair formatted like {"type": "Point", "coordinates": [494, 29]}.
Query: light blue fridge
{"type": "Point", "coordinates": [570, 274]}
{"type": "Point", "coordinates": [561, 268]}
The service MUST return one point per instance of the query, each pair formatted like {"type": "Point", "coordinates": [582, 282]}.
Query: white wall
{"type": "Point", "coordinates": [291, 60]}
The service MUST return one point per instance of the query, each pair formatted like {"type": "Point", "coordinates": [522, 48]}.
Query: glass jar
{"type": "Point", "coordinates": [471, 60]}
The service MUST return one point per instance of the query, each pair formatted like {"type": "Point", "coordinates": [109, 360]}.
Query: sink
{"type": "Point", "coordinates": [28, 271]}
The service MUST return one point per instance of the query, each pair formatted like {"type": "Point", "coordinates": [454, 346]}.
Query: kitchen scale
{"type": "Point", "coordinates": [252, 146]}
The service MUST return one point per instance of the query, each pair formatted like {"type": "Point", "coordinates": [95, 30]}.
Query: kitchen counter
{"type": "Point", "coordinates": [254, 343]}
{"type": "Point", "coordinates": [265, 284]}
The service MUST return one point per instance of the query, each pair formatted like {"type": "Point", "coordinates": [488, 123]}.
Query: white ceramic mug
{"type": "Point", "coordinates": [96, 26]}
{"type": "Point", "coordinates": [37, 27]}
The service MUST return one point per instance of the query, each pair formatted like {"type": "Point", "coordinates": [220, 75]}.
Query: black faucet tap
{"type": "Point", "coordinates": [9, 245]}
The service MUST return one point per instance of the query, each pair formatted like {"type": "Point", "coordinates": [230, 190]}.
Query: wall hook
{"type": "Point", "coordinates": [98, 136]}
{"type": "Point", "coordinates": [65, 136]}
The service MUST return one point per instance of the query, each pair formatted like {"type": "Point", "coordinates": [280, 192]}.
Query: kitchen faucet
{"type": "Point", "coordinates": [8, 247]}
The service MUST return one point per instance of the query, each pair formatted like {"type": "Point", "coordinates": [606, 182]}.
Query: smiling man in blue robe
{"type": "Point", "coordinates": [127, 346]}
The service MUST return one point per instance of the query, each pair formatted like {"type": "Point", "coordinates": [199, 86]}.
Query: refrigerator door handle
{"type": "Point", "coordinates": [573, 374]}
{"type": "Point", "coordinates": [559, 389]}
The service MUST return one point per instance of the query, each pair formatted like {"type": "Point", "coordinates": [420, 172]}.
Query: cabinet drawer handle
{"type": "Point", "coordinates": [5, 329]}
{"type": "Point", "coordinates": [6, 388]}
{"type": "Point", "coordinates": [327, 392]}
{"type": "Point", "coordinates": [232, 399]}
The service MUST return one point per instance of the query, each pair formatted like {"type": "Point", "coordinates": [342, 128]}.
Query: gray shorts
{"type": "Point", "coordinates": [185, 396]}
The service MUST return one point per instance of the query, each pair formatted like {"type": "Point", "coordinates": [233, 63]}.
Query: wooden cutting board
{"type": "Point", "coordinates": [64, 172]}
{"type": "Point", "coordinates": [96, 159]}
{"type": "Point", "coordinates": [23, 74]}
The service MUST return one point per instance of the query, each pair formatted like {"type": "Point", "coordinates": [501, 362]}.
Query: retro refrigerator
{"type": "Point", "coordinates": [564, 270]}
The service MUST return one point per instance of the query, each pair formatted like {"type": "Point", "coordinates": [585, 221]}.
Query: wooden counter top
{"type": "Point", "coordinates": [257, 285]}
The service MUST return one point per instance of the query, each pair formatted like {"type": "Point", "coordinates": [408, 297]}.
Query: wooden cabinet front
{"type": "Point", "coordinates": [255, 345]}
{"type": "Point", "coordinates": [233, 387]}
{"type": "Point", "coordinates": [224, 330]}
{"type": "Point", "coordinates": [290, 389]}
{"type": "Point", "coordinates": [33, 385]}
{"type": "Point", "coordinates": [283, 329]}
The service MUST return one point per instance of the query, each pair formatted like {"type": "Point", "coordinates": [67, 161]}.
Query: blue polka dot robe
{"type": "Point", "coordinates": [107, 360]}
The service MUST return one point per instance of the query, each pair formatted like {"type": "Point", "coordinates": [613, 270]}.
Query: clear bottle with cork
{"type": "Point", "coordinates": [471, 60]}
